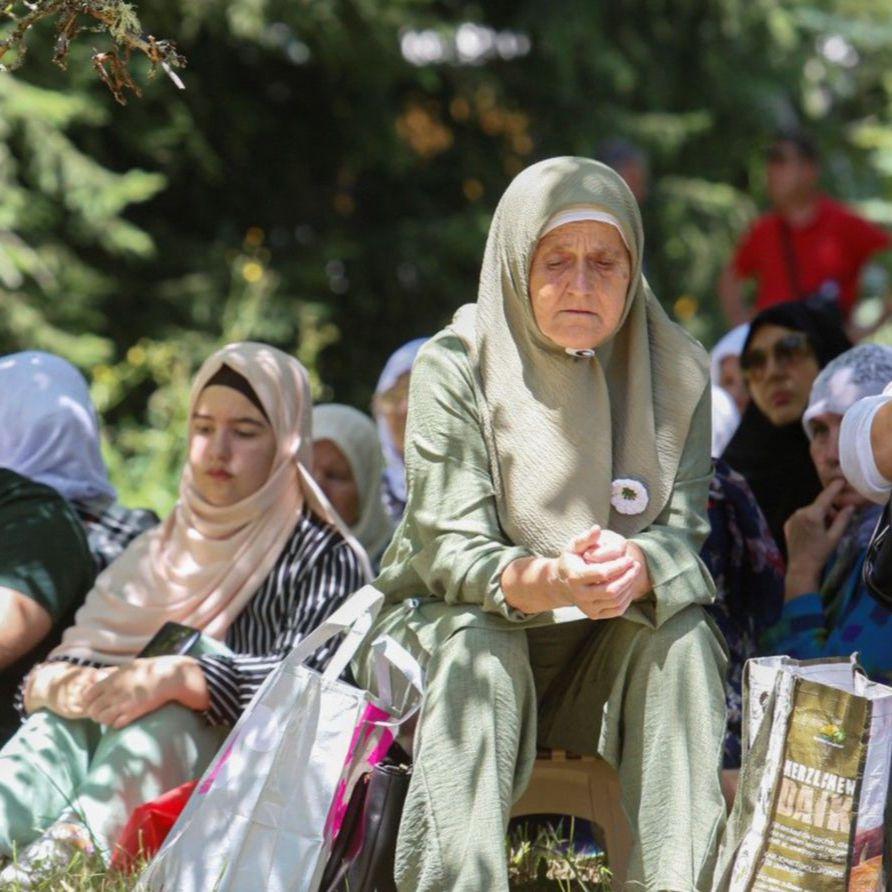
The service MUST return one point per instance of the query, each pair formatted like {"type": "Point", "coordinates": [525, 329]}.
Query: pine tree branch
{"type": "Point", "coordinates": [115, 17]}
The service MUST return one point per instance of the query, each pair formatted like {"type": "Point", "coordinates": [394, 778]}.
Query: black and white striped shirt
{"type": "Point", "coordinates": [315, 573]}
{"type": "Point", "coordinates": [313, 576]}
{"type": "Point", "coordinates": [112, 528]}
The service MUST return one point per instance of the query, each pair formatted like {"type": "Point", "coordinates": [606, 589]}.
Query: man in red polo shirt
{"type": "Point", "coordinates": [809, 244]}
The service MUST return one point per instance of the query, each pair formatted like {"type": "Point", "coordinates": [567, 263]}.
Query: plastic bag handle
{"type": "Point", "coordinates": [355, 617]}
{"type": "Point", "coordinates": [388, 653]}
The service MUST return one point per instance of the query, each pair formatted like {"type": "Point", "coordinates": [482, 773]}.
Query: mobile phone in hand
{"type": "Point", "coordinates": [171, 639]}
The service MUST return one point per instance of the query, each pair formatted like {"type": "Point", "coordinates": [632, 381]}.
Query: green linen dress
{"type": "Point", "coordinates": [644, 692]}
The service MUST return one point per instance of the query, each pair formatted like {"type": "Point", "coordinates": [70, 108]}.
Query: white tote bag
{"type": "Point", "coordinates": [260, 818]}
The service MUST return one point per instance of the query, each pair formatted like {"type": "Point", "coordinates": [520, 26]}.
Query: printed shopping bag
{"type": "Point", "coordinates": [810, 812]}
{"type": "Point", "coordinates": [261, 816]}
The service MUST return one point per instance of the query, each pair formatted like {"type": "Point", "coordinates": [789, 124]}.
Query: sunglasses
{"type": "Point", "coordinates": [787, 350]}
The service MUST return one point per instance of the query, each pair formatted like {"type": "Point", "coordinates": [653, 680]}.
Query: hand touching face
{"type": "Point", "coordinates": [812, 533]}
{"type": "Point", "coordinates": [824, 447]}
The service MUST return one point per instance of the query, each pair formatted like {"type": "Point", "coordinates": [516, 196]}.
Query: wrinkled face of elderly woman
{"type": "Point", "coordinates": [579, 278]}
{"type": "Point", "coordinates": [824, 431]}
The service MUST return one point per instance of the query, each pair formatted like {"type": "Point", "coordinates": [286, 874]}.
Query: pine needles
{"type": "Point", "coordinates": [115, 18]}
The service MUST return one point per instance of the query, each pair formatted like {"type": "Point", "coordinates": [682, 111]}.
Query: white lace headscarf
{"type": "Point", "coordinates": [860, 372]}
{"type": "Point", "coordinates": [855, 450]}
{"type": "Point", "coordinates": [730, 344]}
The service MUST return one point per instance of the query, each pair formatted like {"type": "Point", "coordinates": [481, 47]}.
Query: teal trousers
{"type": "Point", "coordinates": [59, 768]}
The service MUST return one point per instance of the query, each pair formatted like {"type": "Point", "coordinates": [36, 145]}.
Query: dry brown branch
{"type": "Point", "coordinates": [113, 72]}
{"type": "Point", "coordinates": [115, 17]}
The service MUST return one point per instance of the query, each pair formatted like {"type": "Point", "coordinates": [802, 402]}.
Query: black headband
{"type": "Point", "coordinates": [227, 377]}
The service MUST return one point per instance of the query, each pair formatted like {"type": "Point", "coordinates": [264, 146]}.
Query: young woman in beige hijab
{"type": "Point", "coordinates": [558, 457]}
{"type": "Point", "coordinates": [252, 556]}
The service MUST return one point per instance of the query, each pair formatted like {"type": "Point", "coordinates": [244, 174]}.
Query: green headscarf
{"type": "Point", "coordinates": [561, 429]}
{"type": "Point", "coordinates": [354, 433]}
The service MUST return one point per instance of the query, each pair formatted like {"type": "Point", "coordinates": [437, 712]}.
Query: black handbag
{"type": "Point", "coordinates": [362, 859]}
{"type": "Point", "coordinates": [877, 572]}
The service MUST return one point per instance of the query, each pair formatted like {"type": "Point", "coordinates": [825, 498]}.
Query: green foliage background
{"type": "Point", "coordinates": [314, 189]}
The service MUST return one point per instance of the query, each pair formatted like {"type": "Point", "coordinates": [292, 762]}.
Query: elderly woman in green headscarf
{"type": "Point", "coordinates": [547, 569]}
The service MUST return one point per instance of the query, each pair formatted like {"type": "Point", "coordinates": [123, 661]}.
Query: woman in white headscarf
{"type": "Point", "coordinates": [252, 556]}
{"type": "Point", "coordinates": [724, 365]}
{"type": "Point", "coordinates": [49, 433]}
{"type": "Point", "coordinates": [829, 610]}
{"type": "Point", "coordinates": [725, 420]}
{"type": "Point", "coordinates": [390, 406]}
{"type": "Point", "coordinates": [348, 466]}
{"type": "Point", "coordinates": [49, 430]}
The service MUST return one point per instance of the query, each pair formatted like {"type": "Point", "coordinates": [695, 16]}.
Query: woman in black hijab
{"type": "Point", "coordinates": [788, 344]}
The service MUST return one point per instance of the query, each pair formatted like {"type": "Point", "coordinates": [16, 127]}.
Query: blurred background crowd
{"type": "Point", "coordinates": [326, 179]}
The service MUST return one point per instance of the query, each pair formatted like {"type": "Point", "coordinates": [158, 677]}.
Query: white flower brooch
{"type": "Point", "coordinates": [629, 496]}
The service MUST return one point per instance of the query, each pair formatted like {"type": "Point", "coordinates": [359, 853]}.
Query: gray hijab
{"type": "Point", "coordinates": [574, 441]}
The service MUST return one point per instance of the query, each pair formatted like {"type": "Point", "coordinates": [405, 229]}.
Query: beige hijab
{"type": "Point", "coordinates": [560, 428]}
{"type": "Point", "coordinates": [204, 563]}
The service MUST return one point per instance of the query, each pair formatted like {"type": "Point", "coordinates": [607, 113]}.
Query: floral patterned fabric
{"type": "Point", "coordinates": [748, 570]}
{"type": "Point", "coordinates": [843, 617]}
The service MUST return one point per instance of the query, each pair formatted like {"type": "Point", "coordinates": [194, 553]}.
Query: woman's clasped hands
{"type": "Point", "coordinates": [600, 572]}
{"type": "Point", "coordinates": [116, 695]}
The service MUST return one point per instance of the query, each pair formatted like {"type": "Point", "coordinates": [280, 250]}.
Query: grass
{"type": "Point", "coordinates": [549, 861]}
{"type": "Point", "coordinates": [545, 862]}
{"type": "Point", "coordinates": [84, 873]}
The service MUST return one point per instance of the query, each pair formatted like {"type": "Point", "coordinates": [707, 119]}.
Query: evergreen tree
{"type": "Point", "coordinates": [326, 179]}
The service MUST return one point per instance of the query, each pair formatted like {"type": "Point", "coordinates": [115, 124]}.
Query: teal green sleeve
{"type": "Point", "coordinates": [450, 544]}
{"type": "Point", "coordinates": [43, 547]}
{"type": "Point", "coordinates": [673, 541]}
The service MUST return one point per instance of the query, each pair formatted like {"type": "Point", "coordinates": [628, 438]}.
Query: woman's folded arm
{"type": "Point", "coordinates": [458, 548]}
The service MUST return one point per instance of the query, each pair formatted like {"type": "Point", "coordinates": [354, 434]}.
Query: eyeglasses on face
{"type": "Point", "coordinates": [789, 349]}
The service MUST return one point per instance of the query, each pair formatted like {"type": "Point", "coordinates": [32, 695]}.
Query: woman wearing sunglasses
{"type": "Point", "coordinates": [787, 346]}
